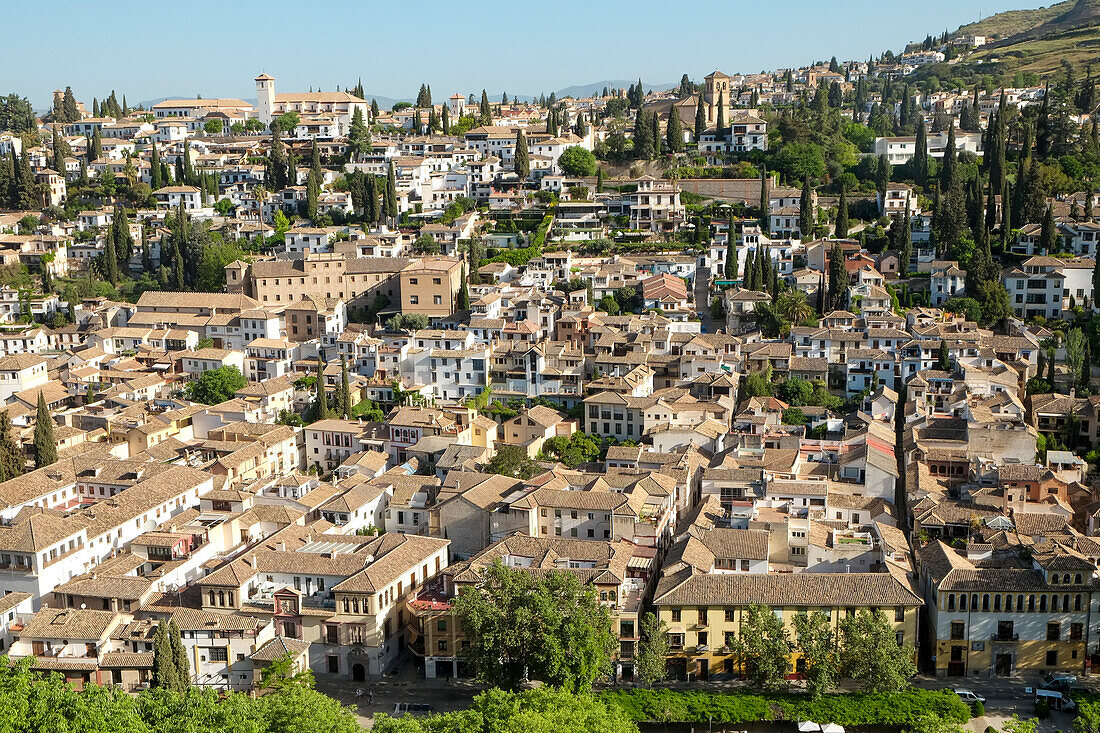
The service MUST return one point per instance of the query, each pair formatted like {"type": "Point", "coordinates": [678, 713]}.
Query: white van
{"type": "Point", "coordinates": [1055, 699]}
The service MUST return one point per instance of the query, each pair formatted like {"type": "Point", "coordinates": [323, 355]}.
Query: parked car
{"type": "Point", "coordinates": [1065, 678]}
{"type": "Point", "coordinates": [1055, 699]}
{"type": "Point", "coordinates": [415, 708]}
{"type": "Point", "coordinates": [969, 696]}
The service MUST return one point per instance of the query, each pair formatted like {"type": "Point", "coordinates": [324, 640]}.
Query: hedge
{"type": "Point", "coordinates": [896, 709]}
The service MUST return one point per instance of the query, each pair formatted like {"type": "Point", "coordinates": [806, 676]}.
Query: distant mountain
{"type": "Point", "coordinates": [596, 87]}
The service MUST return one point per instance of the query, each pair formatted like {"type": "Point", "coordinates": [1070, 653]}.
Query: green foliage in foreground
{"type": "Point", "coordinates": [545, 710]}
{"type": "Point", "coordinates": [34, 703]}
{"type": "Point", "coordinates": [895, 709]}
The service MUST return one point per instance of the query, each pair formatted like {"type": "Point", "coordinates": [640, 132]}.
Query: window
{"type": "Point", "coordinates": [675, 615]}
{"type": "Point", "coordinates": [218, 654]}
{"type": "Point", "coordinates": [1054, 631]}
{"type": "Point", "coordinates": [1052, 658]}
{"type": "Point", "coordinates": [958, 630]}
{"type": "Point", "coordinates": [899, 613]}
{"type": "Point", "coordinates": [1076, 632]}
{"type": "Point", "coordinates": [731, 615]}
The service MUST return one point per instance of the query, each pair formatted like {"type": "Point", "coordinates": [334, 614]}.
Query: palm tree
{"type": "Point", "coordinates": [793, 306]}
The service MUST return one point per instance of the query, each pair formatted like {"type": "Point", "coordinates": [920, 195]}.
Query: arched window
{"type": "Point", "coordinates": [962, 602]}
{"type": "Point", "coordinates": [1008, 603]}
{"type": "Point", "coordinates": [1019, 603]}
{"type": "Point", "coordinates": [1042, 604]}
{"type": "Point", "coordinates": [1054, 603]}
{"type": "Point", "coordinates": [985, 602]}
{"type": "Point", "coordinates": [1054, 579]}
{"type": "Point", "coordinates": [1065, 602]}
{"type": "Point", "coordinates": [1077, 578]}
{"type": "Point", "coordinates": [211, 598]}
{"type": "Point", "coordinates": [1077, 602]}
{"type": "Point", "coordinates": [347, 606]}
{"type": "Point", "coordinates": [1065, 578]}
{"type": "Point", "coordinates": [1031, 603]}
{"type": "Point", "coordinates": [221, 598]}
{"type": "Point", "coordinates": [997, 602]}
{"type": "Point", "coordinates": [229, 597]}
{"type": "Point", "coordinates": [951, 602]}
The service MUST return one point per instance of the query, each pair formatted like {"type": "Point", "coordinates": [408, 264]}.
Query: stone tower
{"type": "Point", "coordinates": [265, 98]}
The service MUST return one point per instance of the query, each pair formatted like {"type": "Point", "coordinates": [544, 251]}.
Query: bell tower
{"type": "Point", "coordinates": [265, 98]}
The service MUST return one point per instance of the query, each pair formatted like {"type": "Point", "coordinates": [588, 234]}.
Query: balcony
{"type": "Point", "coordinates": [997, 636]}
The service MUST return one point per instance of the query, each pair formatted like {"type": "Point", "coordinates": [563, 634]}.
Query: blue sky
{"type": "Point", "coordinates": [153, 49]}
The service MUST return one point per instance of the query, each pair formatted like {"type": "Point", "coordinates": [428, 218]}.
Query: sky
{"type": "Point", "coordinates": [149, 50]}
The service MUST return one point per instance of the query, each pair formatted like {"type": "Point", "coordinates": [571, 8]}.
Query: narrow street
{"type": "Point", "coordinates": [702, 300]}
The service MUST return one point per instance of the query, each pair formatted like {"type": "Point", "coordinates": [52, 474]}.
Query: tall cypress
{"type": "Point", "coordinates": [674, 131]}
{"type": "Point", "coordinates": [179, 657]}
{"type": "Point", "coordinates": [345, 390]}
{"type": "Point", "coordinates": [806, 210]}
{"type": "Point", "coordinates": [522, 162]}
{"type": "Point", "coordinates": [920, 155]}
{"type": "Point", "coordinates": [164, 661]}
{"type": "Point", "coordinates": [842, 214]}
{"type": "Point", "coordinates": [45, 444]}
{"type": "Point", "coordinates": [700, 118]}
{"type": "Point", "coordinates": [765, 204]}
{"type": "Point", "coordinates": [322, 392]}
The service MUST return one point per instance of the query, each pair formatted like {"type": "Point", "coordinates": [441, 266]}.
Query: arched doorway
{"type": "Point", "coordinates": [358, 673]}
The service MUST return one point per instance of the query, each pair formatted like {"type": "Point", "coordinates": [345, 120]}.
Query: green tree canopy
{"type": "Point", "coordinates": [216, 385]}
{"type": "Point", "coordinates": [576, 161]}
{"type": "Point", "coordinates": [546, 627]}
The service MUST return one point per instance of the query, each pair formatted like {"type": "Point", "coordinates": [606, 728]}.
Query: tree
{"type": "Point", "coordinates": [45, 444]}
{"type": "Point", "coordinates": [164, 660]}
{"type": "Point", "coordinates": [674, 131]}
{"type": "Point", "coordinates": [359, 144]}
{"type": "Point", "coordinates": [838, 277]}
{"type": "Point", "coordinates": [343, 396]}
{"type": "Point", "coordinates": [806, 210]}
{"type": "Point", "coordinates": [179, 657]}
{"type": "Point", "coordinates": [700, 118]}
{"type": "Point", "coordinates": [817, 650]}
{"type": "Point", "coordinates": [653, 649]}
{"type": "Point", "coordinates": [577, 162]}
{"type": "Point", "coordinates": [1075, 343]}
{"type": "Point", "coordinates": [323, 412]}
{"type": "Point", "coordinates": [544, 710]}
{"type": "Point", "coordinates": [763, 647]}
{"type": "Point", "coordinates": [215, 386]}
{"type": "Point", "coordinates": [841, 230]}
{"type": "Point", "coordinates": [882, 177]}
{"type": "Point", "coordinates": [731, 257]}
{"type": "Point", "coordinates": [871, 655]}
{"type": "Point", "coordinates": [70, 112]}
{"type": "Point", "coordinates": [920, 157]}
{"type": "Point", "coordinates": [1048, 235]}
{"type": "Point", "coordinates": [12, 462]}
{"type": "Point", "coordinates": [485, 112]}
{"type": "Point", "coordinates": [522, 626]}
{"type": "Point", "coordinates": [462, 301]}
{"type": "Point", "coordinates": [522, 165]}
{"type": "Point", "coordinates": [513, 461]}
{"type": "Point", "coordinates": [943, 361]}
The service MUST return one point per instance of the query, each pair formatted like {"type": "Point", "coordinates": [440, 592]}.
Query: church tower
{"type": "Point", "coordinates": [265, 98]}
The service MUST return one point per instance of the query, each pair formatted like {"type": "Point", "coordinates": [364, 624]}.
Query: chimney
{"type": "Point", "coordinates": [252, 561]}
{"type": "Point", "coordinates": [1072, 393]}
{"type": "Point", "coordinates": [281, 546]}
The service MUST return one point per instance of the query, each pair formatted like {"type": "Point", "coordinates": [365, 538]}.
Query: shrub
{"type": "Point", "coordinates": [979, 709]}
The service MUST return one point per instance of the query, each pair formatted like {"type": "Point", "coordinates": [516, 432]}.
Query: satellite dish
{"type": "Point", "coordinates": [83, 606]}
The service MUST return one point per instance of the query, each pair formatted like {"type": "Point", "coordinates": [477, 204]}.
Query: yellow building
{"type": "Point", "coordinates": [998, 613]}
{"type": "Point", "coordinates": [704, 611]}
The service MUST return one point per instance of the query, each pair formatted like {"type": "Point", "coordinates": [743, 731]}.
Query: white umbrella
{"type": "Point", "coordinates": [832, 728]}
{"type": "Point", "coordinates": [808, 726]}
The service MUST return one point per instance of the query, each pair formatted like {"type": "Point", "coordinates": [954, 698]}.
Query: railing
{"type": "Point", "coordinates": [997, 636]}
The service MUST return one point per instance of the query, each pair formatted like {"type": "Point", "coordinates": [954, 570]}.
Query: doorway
{"type": "Point", "coordinates": [1004, 665]}
{"type": "Point", "coordinates": [358, 674]}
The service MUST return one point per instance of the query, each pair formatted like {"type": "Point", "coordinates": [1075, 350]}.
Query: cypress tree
{"type": "Point", "coordinates": [446, 120]}
{"type": "Point", "coordinates": [882, 177]}
{"type": "Point", "coordinates": [765, 208]}
{"type": "Point", "coordinates": [599, 179]}
{"type": "Point", "coordinates": [345, 390]}
{"type": "Point", "coordinates": [462, 301]}
{"type": "Point", "coordinates": [45, 445]}
{"type": "Point", "coordinates": [920, 157]}
{"type": "Point", "coordinates": [821, 295]}
{"type": "Point", "coordinates": [12, 462]}
{"type": "Point", "coordinates": [486, 113]}
{"type": "Point", "coordinates": [700, 118]}
{"type": "Point", "coordinates": [721, 113]}
{"type": "Point", "coordinates": [906, 253]}
{"type": "Point", "coordinates": [313, 191]}
{"type": "Point", "coordinates": [322, 392]}
{"type": "Point", "coordinates": [841, 230]}
{"type": "Point", "coordinates": [522, 165]}
{"type": "Point", "coordinates": [642, 147]}
{"type": "Point", "coordinates": [146, 250]}
{"type": "Point", "coordinates": [1047, 233]}
{"type": "Point", "coordinates": [838, 277]}
{"type": "Point", "coordinates": [110, 257]}
{"type": "Point", "coordinates": [731, 257]}
{"type": "Point", "coordinates": [179, 657]}
{"type": "Point", "coordinates": [655, 134]}
{"type": "Point", "coordinates": [391, 193]}
{"type": "Point", "coordinates": [943, 363]}
{"type": "Point", "coordinates": [164, 661]}
{"type": "Point", "coordinates": [1006, 215]}
{"type": "Point", "coordinates": [154, 170]}
{"type": "Point", "coordinates": [806, 210]}
{"type": "Point", "coordinates": [674, 131]}
{"type": "Point", "coordinates": [95, 150]}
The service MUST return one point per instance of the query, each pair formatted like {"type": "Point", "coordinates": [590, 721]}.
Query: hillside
{"type": "Point", "coordinates": [1071, 32]}
{"type": "Point", "coordinates": [1011, 22]}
